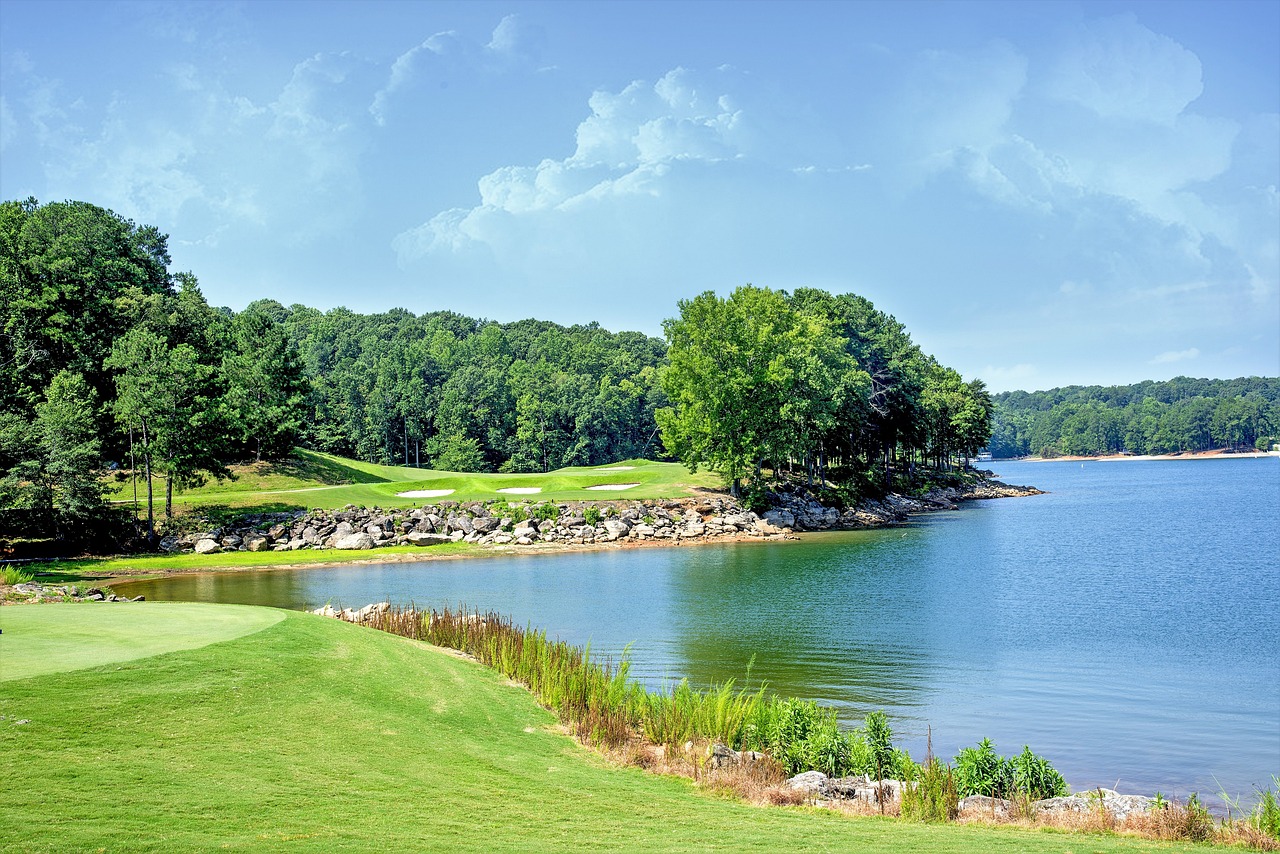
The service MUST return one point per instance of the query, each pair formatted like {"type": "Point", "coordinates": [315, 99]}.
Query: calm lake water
{"type": "Point", "coordinates": [1124, 625]}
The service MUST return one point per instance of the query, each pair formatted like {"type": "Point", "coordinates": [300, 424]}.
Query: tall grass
{"type": "Point", "coordinates": [596, 700]}
{"type": "Point", "coordinates": [13, 575]}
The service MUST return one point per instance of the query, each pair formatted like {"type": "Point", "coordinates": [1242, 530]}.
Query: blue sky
{"type": "Point", "coordinates": [1043, 193]}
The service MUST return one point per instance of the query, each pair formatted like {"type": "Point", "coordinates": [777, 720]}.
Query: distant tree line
{"type": "Point", "coordinates": [1181, 414]}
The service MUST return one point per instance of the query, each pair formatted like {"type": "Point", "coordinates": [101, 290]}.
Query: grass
{"type": "Point", "coordinates": [61, 638]}
{"type": "Point", "coordinates": [84, 569]}
{"type": "Point", "coordinates": [312, 479]}
{"type": "Point", "coordinates": [316, 735]}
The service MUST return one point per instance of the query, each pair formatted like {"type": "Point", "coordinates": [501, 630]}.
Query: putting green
{"type": "Point", "coordinates": [40, 639]}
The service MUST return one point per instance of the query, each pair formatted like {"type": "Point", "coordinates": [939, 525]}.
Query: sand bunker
{"type": "Point", "coordinates": [425, 493]}
{"type": "Point", "coordinates": [616, 468]}
{"type": "Point", "coordinates": [613, 486]}
{"type": "Point", "coordinates": [521, 490]}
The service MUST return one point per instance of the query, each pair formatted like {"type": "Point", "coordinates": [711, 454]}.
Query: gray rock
{"type": "Point", "coordinates": [207, 547]}
{"type": "Point", "coordinates": [353, 541]}
{"type": "Point", "coordinates": [615, 528]}
{"type": "Point", "coordinates": [486, 524]}
{"type": "Point", "coordinates": [418, 538]}
{"type": "Point", "coordinates": [811, 782]}
{"type": "Point", "coordinates": [257, 543]}
{"type": "Point", "coordinates": [998, 807]}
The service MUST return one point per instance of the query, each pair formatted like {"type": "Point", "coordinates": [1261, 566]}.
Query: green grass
{"type": "Point", "coordinates": [312, 479]}
{"type": "Point", "coordinates": [315, 735]}
{"type": "Point", "coordinates": [59, 638]}
{"type": "Point", "coordinates": [86, 569]}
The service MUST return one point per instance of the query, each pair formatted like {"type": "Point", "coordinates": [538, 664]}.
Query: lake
{"type": "Point", "coordinates": [1123, 625]}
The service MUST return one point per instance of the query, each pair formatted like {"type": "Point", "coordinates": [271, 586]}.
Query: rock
{"type": "Point", "coordinates": [525, 531]}
{"type": "Point", "coordinates": [257, 543]}
{"type": "Point", "coordinates": [231, 541]}
{"type": "Point", "coordinates": [207, 547]}
{"type": "Point", "coordinates": [780, 518]}
{"type": "Point", "coordinates": [998, 807]}
{"type": "Point", "coordinates": [615, 528]}
{"type": "Point", "coordinates": [420, 539]}
{"type": "Point", "coordinates": [1121, 806]}
{"type": "Point", "coordinates": [723, 756]}
{"type": "Point", "coordinates": [486, 524]}
{"type": "Point", "coordinates": [813, 783]}
{"type": "Point", "coordinates": [353, 541]}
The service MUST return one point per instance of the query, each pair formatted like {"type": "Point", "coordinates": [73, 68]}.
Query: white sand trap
{"type": "Point", "coordinates": [521, 490]}
{"type": "Point", "coordinates": [617, 468]}
{"type": "Point", "coordinates": [425, 493]}
{"type": "Point", "coordinates": [614, 487]}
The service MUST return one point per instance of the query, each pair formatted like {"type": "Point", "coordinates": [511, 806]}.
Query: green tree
{"type": "Point", "coordinates": [54, 463]}
{"type": "Point", "coordinates": [266, 389]}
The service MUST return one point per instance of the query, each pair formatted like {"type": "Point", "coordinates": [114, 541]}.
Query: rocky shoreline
{"type": "Point", "coordinates": [711, 518]}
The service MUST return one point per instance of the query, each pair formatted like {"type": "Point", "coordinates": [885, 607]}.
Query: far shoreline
{"type": "Point", "coordinates": [1108, 458]}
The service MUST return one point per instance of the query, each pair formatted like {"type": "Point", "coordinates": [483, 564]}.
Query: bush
{"type": "Point", "coordinates": [1035, 777]}
{"type": "Point", "coordinates": [1266, 815]}
{"type": "Point", "coordinates": [934, 796]}
{"type": "Point", "coordinates": [592, 516]}
{"type": "Point", "coordinates": [13, 575]}
{"type": "Point", "coordinates": [879, 739]}
{"type": "Point", "coordinates": [981, 771]}
{"type": "Point", "coordinates": [546, 512]}
{"type": "Point", "coordinates": [757, 497]}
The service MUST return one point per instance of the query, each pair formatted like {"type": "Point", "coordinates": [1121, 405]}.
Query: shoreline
{"type": "Point", "coordinates": [903, 509]}
{"type": "Point", "coordinates": [1108, 458]}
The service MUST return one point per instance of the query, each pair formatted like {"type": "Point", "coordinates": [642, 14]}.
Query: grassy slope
{"type": "Point", "coordinates": [311, 479]}
{"type": "Point", "coordinates": [311, 734]}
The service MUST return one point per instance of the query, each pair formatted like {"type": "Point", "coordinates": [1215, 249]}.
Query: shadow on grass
{"type": "Point", "coordinates": [308, 465]}
{"type": "Point", "coordinates": [223, 514]}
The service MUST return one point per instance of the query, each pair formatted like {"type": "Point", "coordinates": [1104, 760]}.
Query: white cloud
{"type": "Point", "coordinates": [1172, 356]}
{"type": "Point", "coordinates": [625, 148]}
{"type": "Point", "coordinates": [1121, 70]}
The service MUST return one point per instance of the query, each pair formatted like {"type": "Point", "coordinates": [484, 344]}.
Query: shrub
{"type": "Point", "coordinates": [879, 738]}
{"type": "Point", "coordinates": [14, 575]}
{"type": "Point", "coordinates": [1266, 815]}
{"type": "Point", "coordinates": [934, 796]}
{"type": "Point", "coordinates": [981, 771]}
{"type": "Point", "coordinates": [546, 512]}
{"type": "Point", "coordinates": [757, 497]}
{"type": "Point", "coordinates": [592, 516]}
{"type": "Point", "coordinates": [1035, 777]}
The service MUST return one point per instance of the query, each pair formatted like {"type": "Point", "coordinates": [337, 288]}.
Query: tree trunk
{"type": "Point", "coordinates": [168, 496]}
{"type": "Point", "coordinates": [133, 475]}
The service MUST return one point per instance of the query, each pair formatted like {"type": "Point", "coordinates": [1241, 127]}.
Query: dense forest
{"type": "Point", "coordinates": [1181, 414]}
{"type": "Point", "coordinates": [109, 361]}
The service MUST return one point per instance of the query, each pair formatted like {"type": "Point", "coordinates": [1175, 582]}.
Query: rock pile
{"type": "Point", "coordinates": [503, 523]}
{"type": "Point", "coordinates": [497, 523]}
{"type": "Point", "coordinates": [819, 786]}
{"type": "Point", "coordinates": [36, 592]}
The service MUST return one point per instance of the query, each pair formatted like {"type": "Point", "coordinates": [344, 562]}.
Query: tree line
{"type": "Point", "coordinates": [1181, 414]}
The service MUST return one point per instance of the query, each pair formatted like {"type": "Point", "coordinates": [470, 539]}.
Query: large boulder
{"type": "Point", "coordinates": [257, 543]}
{"type": "Point", "coordinates": [812, 783]}
{"type": "Point", "coordinates": [486, 524]}
{"type": "Point", "coordinates": [615, 528]}
{"type": "Point", "coordinates": [420, 538]}
{"type": "Point", "coordinates": [207, 547]}
{"type": "Point", "coordinates": [354, 541]}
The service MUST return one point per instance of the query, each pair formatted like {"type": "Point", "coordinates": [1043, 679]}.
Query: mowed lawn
{"type": "Point", "coordinates": [311, 479]}
{"type": "Point", "coordinates": [313, 735]}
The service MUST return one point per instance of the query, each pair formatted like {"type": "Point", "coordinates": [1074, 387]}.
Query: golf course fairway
{"type": "Point", "coordinates": [272, 730]}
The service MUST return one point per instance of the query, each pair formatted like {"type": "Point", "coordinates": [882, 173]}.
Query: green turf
{"type": "Point", "coordinates": [84, 569]}
{"type": "Point", "coordinates": [59, 638]}
{"type": "Point", "coordinates": [312, 479]}
{"type": "Point", "coordinates": [315, 735]}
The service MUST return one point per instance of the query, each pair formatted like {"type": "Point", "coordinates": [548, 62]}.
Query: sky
{"type": "Point", "coordinates": [1043, 193]}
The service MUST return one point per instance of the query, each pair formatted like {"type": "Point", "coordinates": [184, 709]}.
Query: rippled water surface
{"type": "Point", "coordinates": [1125, 624]}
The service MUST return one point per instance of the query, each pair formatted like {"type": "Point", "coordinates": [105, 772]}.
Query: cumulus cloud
{"type": "Point", "coordinates": [1119, 69]}
{"type": "Point", "coordinates": [626, 147]}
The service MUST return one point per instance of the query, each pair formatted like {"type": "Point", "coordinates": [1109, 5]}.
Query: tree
{"type": "Point", "coordinates": [266, 389]}
{"type": "Point", "coordinates": [744, 373]}
{"type": "Point", "coordinates": [173, 403]}
{"type": "Point", "coordinates": [54, 468]}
